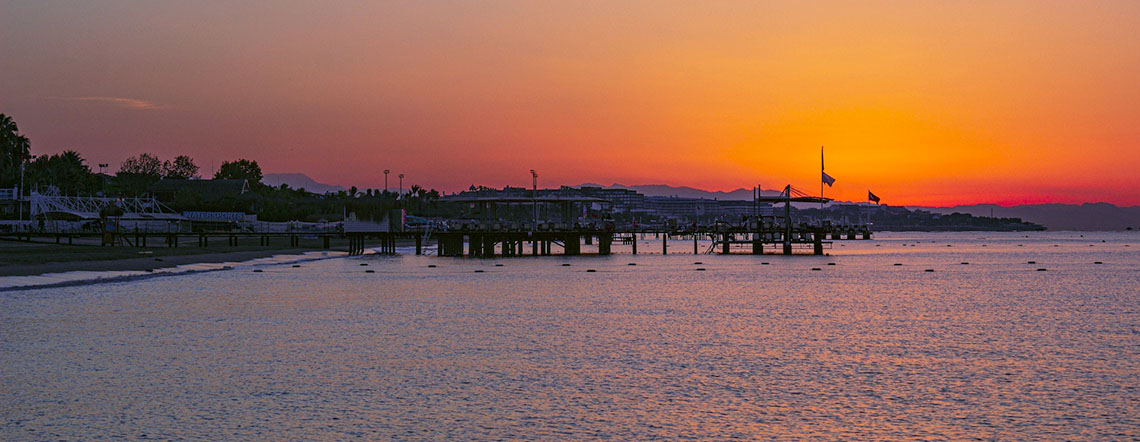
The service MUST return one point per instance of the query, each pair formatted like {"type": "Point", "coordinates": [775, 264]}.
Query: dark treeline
{"type": "Point", "coordinates": [68, 173]}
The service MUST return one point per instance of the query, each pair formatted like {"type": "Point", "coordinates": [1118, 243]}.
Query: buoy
{"type": "Point", "coordinates": [498, 265]}
{"type": "Point", "coordinates": [369, 271]}
{"type": "Point", "coordinates": [930, 270]}
{"type": "Point", "coordinates": [1032, 262]}
{"type": "Point", "coordinates": [590, 270]}
{"type": "Point", "coordinates": [965, 263]}
{"type": "Point", "coordinates": [431, 266]}
{"type": "Point", "coordinates": [296, 265]}
{"type": "Point", "coordinates": [763, 263]}
{"type": "Point", "coordinates": [698, 263]}
{"type": "Point", "coordinates": [256, 270]}
{"type": "Point", "coordinates": [158, 259]}
{"type": "Point", "coordinates": [149, 270]}
{"type": "Point", "coordinates": [815, 269]}
{"type": "Point", "coordinates": [632, 264]}
{"type": "Point", "coordinates": [363, 264]}
{"type": "Point", "coordinates": [898, 264]}
{"type": "Point", "coordinates": [1098, 262]}
{"type": "Point", "coordinates": [566, 265]}
{"type": "Point", "coordinates": [1040, 270]}
{"type": "Point", "coordinates": [831, 263]}
{"type": "Point", "coordinates": [478, 271]}
{"type": "Point", "coordinates": [700, 269]}
{"type": "Point", "coordinates": [227, 268]}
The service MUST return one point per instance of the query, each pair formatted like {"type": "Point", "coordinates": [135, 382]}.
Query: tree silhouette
{"type": "Point", "coordinates": [182, 167]}
{"type": "Point", "coordinates": [144, 164]}
{"type": "Point", "coordinates": [242, 169]}
{"type": "Point", "coordinates": [14, 150]}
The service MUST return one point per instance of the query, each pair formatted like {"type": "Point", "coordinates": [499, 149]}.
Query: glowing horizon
{"type": "Point", "coordinates": [923, 104]}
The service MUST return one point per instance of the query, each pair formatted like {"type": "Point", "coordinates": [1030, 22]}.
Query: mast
{"type": "Point", "coordinates": [821, 172]}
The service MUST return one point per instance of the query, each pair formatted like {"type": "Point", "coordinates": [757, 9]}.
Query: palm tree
{"type": "Point", "coordinates": [14, 150]}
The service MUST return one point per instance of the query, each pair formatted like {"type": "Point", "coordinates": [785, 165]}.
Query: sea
{"type": "Point", "coordinates": [909, 336]}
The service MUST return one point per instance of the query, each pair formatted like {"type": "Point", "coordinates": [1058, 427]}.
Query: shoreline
{"type": "Point", "coordinates": [35, 259]}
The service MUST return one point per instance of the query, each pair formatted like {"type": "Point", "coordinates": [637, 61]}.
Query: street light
{"type": "Point", "coordinates": [401, 184]}
{"type": "Point", "coordinates": [386, 180]}
{"type": "Point", "coordinates": [103, 177]}
{"type": "Point", "coordinates": [534, 198]}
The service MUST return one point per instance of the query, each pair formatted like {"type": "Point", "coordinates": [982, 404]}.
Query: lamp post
{"type": "Point", "coordinates": [534, 198]}
{"type": "Point", "coordinates": [103, 177]}
{"type": "Point", "coordinates": [386, 180]}
{"type": "Point", "coordinates": [401, 186]}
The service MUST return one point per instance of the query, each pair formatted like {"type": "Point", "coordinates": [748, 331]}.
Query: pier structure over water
{"type": "Point", "coordinates": [757, 234]}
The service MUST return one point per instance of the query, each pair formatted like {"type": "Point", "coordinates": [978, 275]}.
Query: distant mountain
{"type": "Point", "coordinates": [299, 181]}
{"type": "Point", "coordinates": [687, 192]}
{"type": "Point", "coordinates": [1088, 216]}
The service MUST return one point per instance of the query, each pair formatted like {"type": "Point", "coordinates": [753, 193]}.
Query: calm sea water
{"type": "Point", "coordinates": [534, 350]}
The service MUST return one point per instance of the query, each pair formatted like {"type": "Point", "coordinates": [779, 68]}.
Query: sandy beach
{"type": "Point", "coordinates": [19, 258]}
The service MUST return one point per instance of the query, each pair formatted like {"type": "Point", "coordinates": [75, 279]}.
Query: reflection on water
{"type": "Point", "coordinates": [864, 349]}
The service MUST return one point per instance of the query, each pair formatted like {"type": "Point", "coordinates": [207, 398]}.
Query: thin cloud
{"type": "Point", "coordinates": [129, 103]}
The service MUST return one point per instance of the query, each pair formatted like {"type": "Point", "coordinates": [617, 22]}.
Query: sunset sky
{"type": "Point", "coordinates": [934, 103]}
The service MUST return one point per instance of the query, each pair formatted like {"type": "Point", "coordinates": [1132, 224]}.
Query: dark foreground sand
{"type": "Point", "coordinates": [25, 259]}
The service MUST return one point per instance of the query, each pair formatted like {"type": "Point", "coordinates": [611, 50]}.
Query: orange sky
{"type": "Point", "coordinates": [934, 103]}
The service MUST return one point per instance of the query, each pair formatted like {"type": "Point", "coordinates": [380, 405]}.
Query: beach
{"type": "Point", "coordinates": [21, 258]}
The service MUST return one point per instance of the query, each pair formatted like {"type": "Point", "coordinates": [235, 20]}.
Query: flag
{"type": "Point", "coordinates": [872, 197]}
{"type": "Point", "coordinates": [827, 179]}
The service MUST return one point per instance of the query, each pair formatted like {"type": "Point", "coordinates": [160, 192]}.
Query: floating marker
{"type": "Point", "coordinates": [632, 264]}
{"type": "Point", "coordinates": [698, 263]}
{"type": "Point", "coordinates": [965, 263]}
{"type": "Point", "coordinates": [566, 265]}
{"type": "Point", "coordinates": [816, 269]}
{"type": "Point", "coordinates": [763, 263]}
{"type": "Point", "coordinates": [498, 265]}
{"type": "Point", "coordinates": [478, 271]}
{"type": "Point", "coordinates": [431, 266]}
{"type": "Point", "coordinates": [1098, 262]}
{"type": "Point", "coordinates": [898, 264]}
{"type": "Point", "coordinates": [1040, 270]}
{"type": "Point", "coordinates": [158, 259]}
{"type": "Point", "coordinates": [296, 265]}
{"type": "Point", "coordinates": [1032, 262]}
{"type": "Point", "coordinates": [831, 263]}
{"type": "Point", "coordinates": [363, 264]}
{"type": "Point", "coordinates": [700, 269]}
{"type": "Point", "coordinates": [369, 271]}
{"type": "Point", "coordinates": [256, 270]}
{"type": "Point", "coordinates": [590, 270]}
{"type": "Point", "coordinates": [930, 270]}
{"type": "Point", "coordinates": [149, 270]}
{"type": "Point", "coordinates": [227, 268]}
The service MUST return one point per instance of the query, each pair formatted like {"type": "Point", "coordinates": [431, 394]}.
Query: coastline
{"type": "Point", "coordinates": [33, 259]}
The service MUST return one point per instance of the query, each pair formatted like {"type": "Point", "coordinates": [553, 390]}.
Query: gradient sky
{"type": "Point", "coordinates": [935, 103]}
